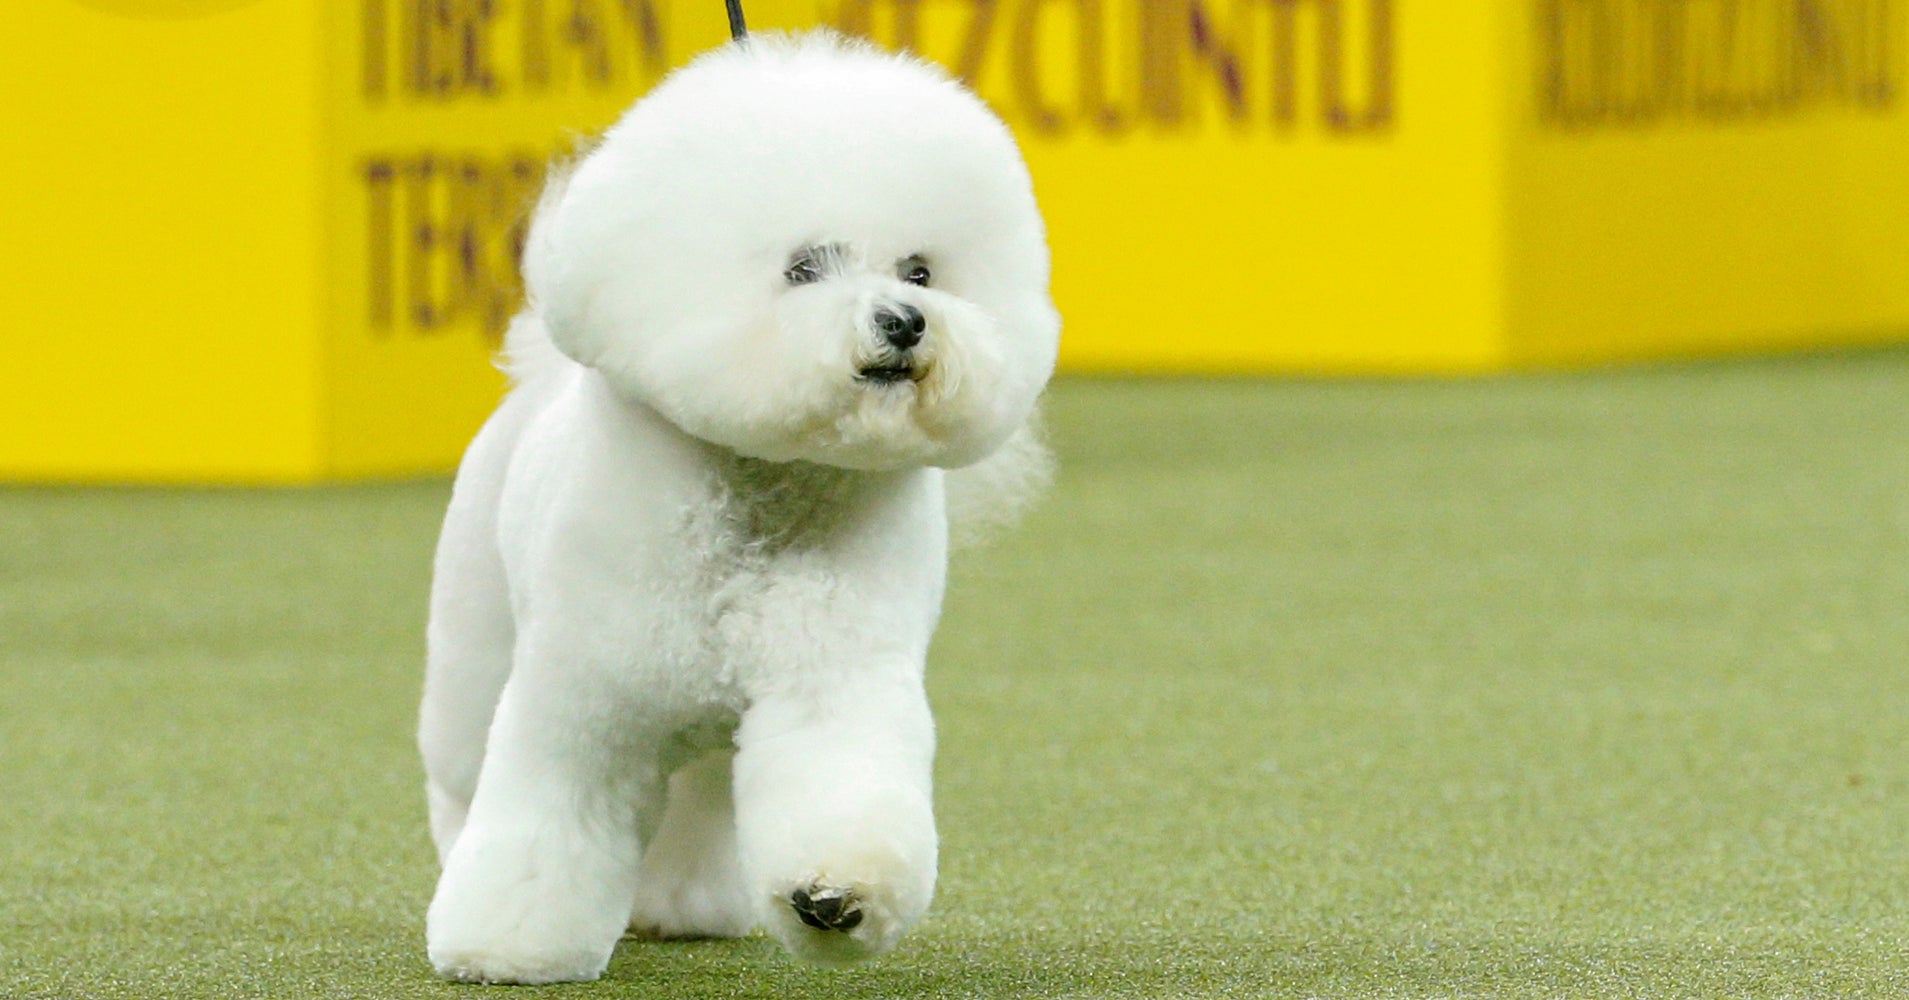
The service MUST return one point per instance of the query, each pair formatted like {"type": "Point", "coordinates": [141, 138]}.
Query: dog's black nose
{"type": "Point", "coordinates": [901, 326]}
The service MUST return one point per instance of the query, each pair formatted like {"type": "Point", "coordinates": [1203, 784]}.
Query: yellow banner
{"type": "Point", "coordinates": [276, 240]}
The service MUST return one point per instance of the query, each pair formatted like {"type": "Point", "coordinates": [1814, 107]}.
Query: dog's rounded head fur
{"type": "Point", "coordinates": [806, 248]}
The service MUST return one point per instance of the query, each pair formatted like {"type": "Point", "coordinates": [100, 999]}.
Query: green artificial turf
{"type": "Point", "coordinates": [1573, 686]}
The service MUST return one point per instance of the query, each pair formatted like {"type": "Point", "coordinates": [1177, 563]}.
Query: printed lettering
{"type": "Point", "coordinates": [1628, 63]}
{"type": "Point", "coordinates": [445, 240]}
{"type": "Point", "coordinates": [447, 50]}
{"type": "Point", "coordinates": [1112, 65]}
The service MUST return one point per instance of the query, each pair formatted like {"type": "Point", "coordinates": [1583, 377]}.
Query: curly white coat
{"type": "Point", "coordinates": [691, 567]}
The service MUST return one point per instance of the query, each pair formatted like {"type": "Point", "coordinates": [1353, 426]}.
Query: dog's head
{"type": "Point", "coordinates": [804, 248]}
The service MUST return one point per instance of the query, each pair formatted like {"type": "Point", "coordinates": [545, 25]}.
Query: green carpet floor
{"type": "Point", "coordinates": [1585, 686]}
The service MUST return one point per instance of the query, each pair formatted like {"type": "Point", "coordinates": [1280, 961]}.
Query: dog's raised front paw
{"type": "Point", "coordinates": [839, 921]}
{"type": "Point", "coordinates": [826, 909]}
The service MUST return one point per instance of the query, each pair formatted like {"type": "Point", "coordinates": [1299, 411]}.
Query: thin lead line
{"type": "Point", "coordinates": [737, 29]}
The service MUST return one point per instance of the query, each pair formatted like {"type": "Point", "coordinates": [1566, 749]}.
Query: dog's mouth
{"type": "Point", "coordinates": [891, 373]}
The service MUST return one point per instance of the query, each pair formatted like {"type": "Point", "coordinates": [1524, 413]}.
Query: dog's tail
{"type": "Point", "coordinates": [529, 355]}
{"type": "Point", "coordinates": [990, 496]}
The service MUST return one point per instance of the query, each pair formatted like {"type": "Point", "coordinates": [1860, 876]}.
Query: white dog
{"type": "Point", "coordinates": [691, 566]}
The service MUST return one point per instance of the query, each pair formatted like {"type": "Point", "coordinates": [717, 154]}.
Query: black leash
{"type": "Point", "coordinates": [737, 29]}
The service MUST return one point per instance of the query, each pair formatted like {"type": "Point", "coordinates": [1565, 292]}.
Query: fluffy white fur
{"type": "Point", "coordinates": [691, 566]}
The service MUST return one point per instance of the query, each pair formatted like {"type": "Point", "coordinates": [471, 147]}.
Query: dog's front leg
{"type": "Point", "coordinates": [834, 814]}
{"type": "Point", "coordinates": [539, 884]}
{"type": "Point", "coordinates": [833, 777]}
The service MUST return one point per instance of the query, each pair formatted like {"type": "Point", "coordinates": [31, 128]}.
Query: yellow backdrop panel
{"type": "Point", "coordinates": [1692, 177]}
{"type": "Point", "coordinates": [276, 240]}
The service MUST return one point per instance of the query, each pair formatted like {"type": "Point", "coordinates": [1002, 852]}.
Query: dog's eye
{"type": "Point", "coordinates": [811, 264]}
{"type": "Point", "coordinates": [914, 271]}
{"type": "Point", "coordinates": [803, 270]}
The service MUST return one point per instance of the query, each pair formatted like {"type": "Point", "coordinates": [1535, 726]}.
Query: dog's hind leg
{"type": "Point", "coordinates": [690, 884]}
{"type": "Point", "coordinates": [470, 635]}
{"type": "Point", "coordinates": [468, 662]}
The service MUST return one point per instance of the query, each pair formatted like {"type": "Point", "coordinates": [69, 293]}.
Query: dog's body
{"type": "Point", "coordinates": [691, 567]}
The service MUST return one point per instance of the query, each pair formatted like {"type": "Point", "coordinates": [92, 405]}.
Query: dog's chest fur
{"type": "Point", "coordinates": [755, 577]}
{"type": "Point", "coordinates": [767, 508]}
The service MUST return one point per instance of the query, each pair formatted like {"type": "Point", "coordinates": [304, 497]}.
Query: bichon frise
{"type": "Point", "coordinates": [691, 566]}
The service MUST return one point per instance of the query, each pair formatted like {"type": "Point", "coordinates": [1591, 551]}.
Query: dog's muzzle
{"type": "Point", "coordinates": [901, 327]}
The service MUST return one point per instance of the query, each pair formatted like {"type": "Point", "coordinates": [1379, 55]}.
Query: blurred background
{"type": "Point", "coordinates": [278, 239]}
{"type": "Point", "coordinates": [1478, 563]}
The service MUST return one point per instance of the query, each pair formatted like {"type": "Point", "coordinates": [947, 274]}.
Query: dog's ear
{"type": "Point", "coordinates": [546, 270]}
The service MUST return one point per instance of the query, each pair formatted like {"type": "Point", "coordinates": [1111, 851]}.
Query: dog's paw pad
{"type": "Point", "coordinates": [826, 909]}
